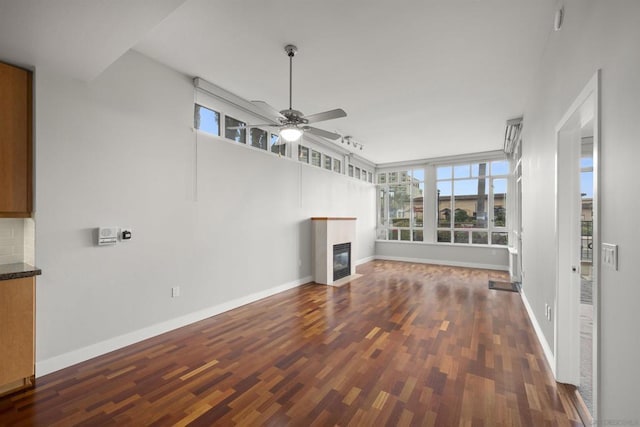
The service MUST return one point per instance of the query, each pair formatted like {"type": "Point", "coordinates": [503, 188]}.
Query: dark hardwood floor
{"type": "Point", "coordinates": [404, 345]}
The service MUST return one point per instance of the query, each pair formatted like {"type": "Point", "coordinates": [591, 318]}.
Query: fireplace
{"type": "Point", "coordinates": [341, 260]}
{"type": "Point", "coordinates": [331, 241]}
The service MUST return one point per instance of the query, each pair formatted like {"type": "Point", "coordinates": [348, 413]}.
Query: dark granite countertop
{"type": "Point", "coordinates": [18, 270]}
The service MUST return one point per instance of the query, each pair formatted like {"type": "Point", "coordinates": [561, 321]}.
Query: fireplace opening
{"type": "Point", "coordinates": [341, 260]}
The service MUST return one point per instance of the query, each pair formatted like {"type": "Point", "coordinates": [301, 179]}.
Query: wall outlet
{"type": "Point", "coordinates": [175, 291]}
{"type": "Point", "coordinates": [126, 233]}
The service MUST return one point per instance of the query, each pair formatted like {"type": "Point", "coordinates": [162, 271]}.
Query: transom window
{"type": "Point", "coordinates": [235, 129]}
{"type": "Point", "coordinates": [207, 120]}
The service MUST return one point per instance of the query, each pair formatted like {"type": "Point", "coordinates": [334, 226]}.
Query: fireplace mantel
{"type": "Point", "coordinates": [326, 232]}
{"type": "Point", "coordinates": [333, 218]}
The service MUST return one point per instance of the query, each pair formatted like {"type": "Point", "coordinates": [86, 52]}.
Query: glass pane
{"type": "Point", "coordinates": [500, 202]}
{"type": "Point", "coordinates": [370, 177]}
{"type": "Point", "coordinates": [418, 174]}
{"type": "Point", "coordinates": [417, 195]}
{"type": "Point", "coordinates": [337, 165]}
{"type": "Point", "coordinates": [357, 173]}
{"type": "Point", "coordinates": [480, 238]}
{"type": "Point", "coordinates": [207, 120]}
{"type": "Point", "coordinates": [405, 235]}
{"type": "Point", "coordinates": [258, 138]}
{"type": "Point", "coordinates": [393, 177]}
{"type": "Point", "coordinates": [404, 176]}
{"type": "Point", "coordinates": [586, 186]}
{"type": "Point", "coordinates": [303, 154]}
{"type": "Point", "coordinates": [460, 237]}
{"type": "Point", "coordinates": [315, 158]}
{"type": "Point", "coordinates": [500, 238]}
{"type": "Point", "coordinates": [417, 236]}
{"type": "Point", "coordinates": [275, 148]}
{"type": "Point", "coordinates": [443, 172]}
{"type": "Point", "coordinates": [351, 170]}
{"type": "Point", "coordinates": [499, 167]}
{"type": "Point", "coordinates": [444, 204]}
{"type": "Point", "coordinates": [327, 161]}
{"type": "Point", "coordinates": [444, 236]}
{"type": "Point", "coordinates": [462, 171]}
{"type": "Point", "coordinates": [479, 169]}
{"type": "Point", "coordinates": [382, 215]}
{"type": "Point", "coordinates": [239, 134]}
{"type": "Point", "coordinates": [399, 205]}
{"type": "Point", "coordinates": [382, 178]}
{"type": "Point", "coordinates": [586, 162]}
{"type": "Point", "coordinates": [393, 234]}
{"type": "Point", "coordinates": [364, 175]}
{"type": "Point", "coordinates": [470, 202]}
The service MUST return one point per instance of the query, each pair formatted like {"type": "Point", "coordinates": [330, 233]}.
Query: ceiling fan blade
{"type": "Point", "coordinates": [271, 125]}
{"type": "Point", "coordinates": [326, 115]}
{"type": "Point", "coordinates": [321, 132]}
{"type": "Point", "coordinates": [271, 111]}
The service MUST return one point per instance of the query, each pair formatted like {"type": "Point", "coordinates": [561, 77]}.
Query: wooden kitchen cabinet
{"type": "Point", "coordinates": [15, 142]}
{"type": "Point", "coordinates": [17, 329]}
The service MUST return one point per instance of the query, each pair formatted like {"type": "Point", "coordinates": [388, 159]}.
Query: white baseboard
{"type": "Point", "coordinates": [541, 338]}
{"type": "Point", "coordinates": [56, 363]}
{"type": "Point", "coordinates": [444, 262]}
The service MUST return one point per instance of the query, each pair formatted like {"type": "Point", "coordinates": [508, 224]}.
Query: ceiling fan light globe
{"type": "Point", "coordinates": [290, 133]}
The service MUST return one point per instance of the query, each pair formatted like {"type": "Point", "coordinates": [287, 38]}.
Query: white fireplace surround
{"type": "Point", "coordinates": [326, 232]}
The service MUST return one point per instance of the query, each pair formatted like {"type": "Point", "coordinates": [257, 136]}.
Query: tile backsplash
{"type": "Point", "coordinates": [17, 240]}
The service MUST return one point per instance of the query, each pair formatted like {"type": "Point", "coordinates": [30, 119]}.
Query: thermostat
{"type": "Point", "coordinates": [107, 235]}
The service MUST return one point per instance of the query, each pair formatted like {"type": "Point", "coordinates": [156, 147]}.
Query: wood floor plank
{"type": "Point", "coordinates": [405, 344]}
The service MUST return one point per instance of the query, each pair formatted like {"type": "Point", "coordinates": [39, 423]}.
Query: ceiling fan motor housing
{"type": "Point", "coordinates": [293, 117]}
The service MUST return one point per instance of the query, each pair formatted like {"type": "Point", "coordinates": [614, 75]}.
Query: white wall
{"type": "Point", "coordinates": [224, 222]}
{"type": "Point", "coordinates": [490, 257]}
{"type": "Point", "coordinates": [596, 35]}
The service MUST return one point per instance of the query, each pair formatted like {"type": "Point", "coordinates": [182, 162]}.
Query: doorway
{"type": "Point", "coordinates": [576, 325]}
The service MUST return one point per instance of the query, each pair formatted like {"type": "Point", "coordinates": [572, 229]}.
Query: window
{"type": "Point", "coordinates": [303, 154]}
{"type": "Point", "coordinates": [401, 205]}
{"type": "Point", "coordinates": [471, 203]}
{"type": "Point", "coordinates": [207, 120]}
{"type": "Point", "coordinates": [351, 171]}
{"type": "Point", "coordinates": [370, 177]}
{"type": "Point", "coordinates": [280, 149]}
{"type": "Point", "coordinates": [315, 158]}
{"type": "Point", "coordinates": [234, 129]}
{"type": "Point", "coordinates": [258, 138]}
{"type": "Point", "coordinates": [337, 165]}
{"type": "Point", "coordinates": [326, 161]}
{"type": "Point", "coordinates": [357, 173]}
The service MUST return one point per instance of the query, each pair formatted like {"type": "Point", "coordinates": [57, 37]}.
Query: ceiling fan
{"type": "Point", "coordinates": [293, 123]}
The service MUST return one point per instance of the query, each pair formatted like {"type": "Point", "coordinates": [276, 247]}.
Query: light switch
{"type": "Point", "coordinates": [610, 255]}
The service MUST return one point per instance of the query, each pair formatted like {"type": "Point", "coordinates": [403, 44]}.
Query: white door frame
{"type": "Point", "coordinates": [585, 109]}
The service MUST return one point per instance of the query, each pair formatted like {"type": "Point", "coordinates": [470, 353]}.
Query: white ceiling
{"type": "Point", "coordinates": [418, 78]}
{"type": "Point", "coordinates": [77, 37]}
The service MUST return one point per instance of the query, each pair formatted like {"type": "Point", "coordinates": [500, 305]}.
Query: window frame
{"type": "Point", "coordinates": [386, 230]}
{"type": "Point", "coordinates": [471, 236]}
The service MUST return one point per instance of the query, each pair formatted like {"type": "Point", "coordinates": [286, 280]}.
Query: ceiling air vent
{"type": "Point", "coordinates": [511, 134]}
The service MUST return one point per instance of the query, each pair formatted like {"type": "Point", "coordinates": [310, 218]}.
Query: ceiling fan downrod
{"type": "Point", "coordinates": [291, 52]}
